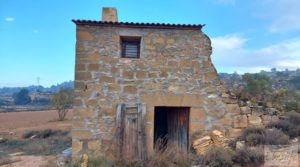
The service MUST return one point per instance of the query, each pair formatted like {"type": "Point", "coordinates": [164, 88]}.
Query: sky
{"type": "Point", "coordinates": [37, 37]}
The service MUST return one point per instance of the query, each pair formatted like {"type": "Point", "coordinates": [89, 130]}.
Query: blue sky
{"type": "Point", "coordinates": [37, 37]}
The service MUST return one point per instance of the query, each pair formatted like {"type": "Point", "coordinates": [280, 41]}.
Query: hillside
{"type": "Point", "coordinates": [9, 91]}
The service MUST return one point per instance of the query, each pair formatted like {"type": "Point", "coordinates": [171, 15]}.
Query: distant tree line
{"type": "Point", "coordinates": [260, 89]}
{"type": "Point", "coordinates": [22, 97]}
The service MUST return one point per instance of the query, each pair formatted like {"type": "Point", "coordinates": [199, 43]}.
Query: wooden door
{"type": "Point", "coordinates": [131, 131]}
{"type": "Point", "coordinates": [178, 127]}
{"type": "Point", "coordinates": [171, 128]}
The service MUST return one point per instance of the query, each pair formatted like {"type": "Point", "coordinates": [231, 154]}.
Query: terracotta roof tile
{"type": "Point", "coordinates": [140, 25]}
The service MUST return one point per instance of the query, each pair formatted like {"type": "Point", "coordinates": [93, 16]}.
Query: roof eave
{"type": "Point", "coordinates": [140, 25]}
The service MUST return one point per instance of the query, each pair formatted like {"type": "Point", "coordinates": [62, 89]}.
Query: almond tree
{"type": "Point", "coordinates": [62, 101]}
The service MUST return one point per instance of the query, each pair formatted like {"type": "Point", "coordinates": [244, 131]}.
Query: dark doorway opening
{"type": "Point", "coordinates": [171, 127]}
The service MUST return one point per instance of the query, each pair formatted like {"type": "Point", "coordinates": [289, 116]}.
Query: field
{"type": "Point", "coordinates": [14, 124]}
{"type": "Point", "coordinates": [37, 151]}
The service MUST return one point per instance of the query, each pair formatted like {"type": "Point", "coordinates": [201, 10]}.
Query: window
{"type": "Point", "coordinates": [130, 47]}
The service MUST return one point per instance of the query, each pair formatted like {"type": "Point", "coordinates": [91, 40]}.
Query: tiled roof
{"type": "Point", "coordinates": [140, 25]}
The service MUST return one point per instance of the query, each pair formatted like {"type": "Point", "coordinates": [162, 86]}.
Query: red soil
{"type": "Point", "coordinates": [14, 124]}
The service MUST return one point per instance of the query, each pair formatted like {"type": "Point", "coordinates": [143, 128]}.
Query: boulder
{"type": "Point", "coordinates": [218, 138]}
{"type": "Point", "coordinates": [233, 108]}
{"type": "Point", "coordinates": [240, 121]}
{"type": "Point", "coordinates": [266, 119]}
{"type": "Point", "coordinates": [225, 95]}
{"type": "Point", "coordinates": [245, 110]}
{"type": "Point", "coordinates": [274, 118]}
{"type": "Point", "coordinates": [233, 132]}
{"type": "Point", "coordinates": [257, 110]}
{"type": "Point", "coordinates": [240, 144]}
{"type": "Point", "coordinates": [254, 120]}
{"type": "Point", "coordinates": [272, 111]}
{"type": "Point", "coordinates": [202, 145]}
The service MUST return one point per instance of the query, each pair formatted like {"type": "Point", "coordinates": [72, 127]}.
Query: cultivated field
{"type": "Point", "coordinates": [46, 137]}
{"type": "Point", "coordinates": [14, 124]}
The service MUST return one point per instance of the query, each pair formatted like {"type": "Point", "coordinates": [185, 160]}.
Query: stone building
{"type": "Point", "coordinates": [137, 83]}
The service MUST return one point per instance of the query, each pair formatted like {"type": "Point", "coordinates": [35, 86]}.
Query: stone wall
{"type": "Point", "coordinates": [174, 69]}
{"type": "Point", "coordinates": [249, 115]}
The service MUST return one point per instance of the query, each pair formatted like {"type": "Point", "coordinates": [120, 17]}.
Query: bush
{"type": "Point", "coordinates": [217, 157]}
{"type": "Point", "coordinates": [293, 118]}
{"type": "Point", "coordinates": [253, 136]}
{"type": "Point", "coordinates": [248, 156]}
{"type": "Point", "coordinates": [62, 101]}
{"type": "Point", "coordinates": [254, 139]}
{"type": "Point", "coordinates": [283, 125]}
{"type": "Point", "coordinates": [47, 142]}
{"type": "Point", "coordinates": [250, 130]}
{"type": "Point", "coordinates": [275, 137]}
{"type": "Point", "coordinates": [290, 125]}
{"type": "Point", "coordinates": [260, 136]}
{"type": "Point", "coordinates": [22, 97]}
{"type": "Point", "coordinates": [44, 133]}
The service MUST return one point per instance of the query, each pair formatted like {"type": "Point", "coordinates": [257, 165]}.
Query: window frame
{"type": "Point", "coordinates": [130, 39]}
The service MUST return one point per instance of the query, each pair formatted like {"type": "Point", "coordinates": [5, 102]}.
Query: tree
{"type": "Point", "coordinates": [295, 82]}
{"type": "Point", "coordinates": [273, 69]}
{"type": "Point", "coordinates": [258, 85]}
{"type": "Point", "coordinates": [62, 101]}
{"type": "Point", "coordinates": [22, 97]}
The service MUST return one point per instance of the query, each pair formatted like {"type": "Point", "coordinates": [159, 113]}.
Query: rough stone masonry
{"type": "Point", "coordinates": [115, 96]}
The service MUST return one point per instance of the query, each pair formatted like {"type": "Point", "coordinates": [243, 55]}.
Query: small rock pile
{"type": "Point", "coordinates": [216, 138]}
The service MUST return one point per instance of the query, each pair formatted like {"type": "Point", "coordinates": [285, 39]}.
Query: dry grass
{"type": "Point", "coordinates": [216, 157]}
{"type": "Point", "coordinates": [48, 143]}
{"type": "Point", "coordinates": [246, 156]}
{"type": "Point", "coordinates": [170, 157]}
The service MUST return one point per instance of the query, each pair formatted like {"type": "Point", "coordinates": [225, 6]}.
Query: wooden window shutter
{"type": "Point", "coordinates": [131, 133]}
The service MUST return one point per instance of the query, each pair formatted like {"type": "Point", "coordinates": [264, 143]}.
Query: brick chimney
{"type": "Point", "coordinates": [109, 14]}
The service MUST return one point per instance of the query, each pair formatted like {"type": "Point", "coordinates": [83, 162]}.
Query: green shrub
{"type": "Point", "coordinates": [290, 125]}
{"type": "Point", "coordinates": [44, 133]}
{"type": "Point", "coordinates": [12, 145]}
{"type": "Point", "coordinates": [251, 130]}
{"type": "Point", "coordinates": [275, 137]}
{"type": "Point", "coordinates": [293, 118]}
{"type": "Point", "coordinates": [217, 157]}
{"type": "Point", "coordinates": [245, 156]}
{"type": "Point", "coordinates": [253, 136]}
{"type": "Point", "coordinates": [232, 143]}
{"type": "Point", "coordinates": [3, 156]}
{"type": "Point", "coordinates": [254, 139]}
{"type": "Point", "coordinates": [260, 136]}
{"type": "Point", "coordinates": [47, 142]}
{"type": "Point", "coordinates": [99, 161]}
{"type": "Point", "coordinates": [283, 125]}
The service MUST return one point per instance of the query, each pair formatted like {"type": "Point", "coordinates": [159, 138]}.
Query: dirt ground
{"type": "Point", "coordinates": [29, 161]}
{"type": "Point", "coordinates": [14, 124]}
